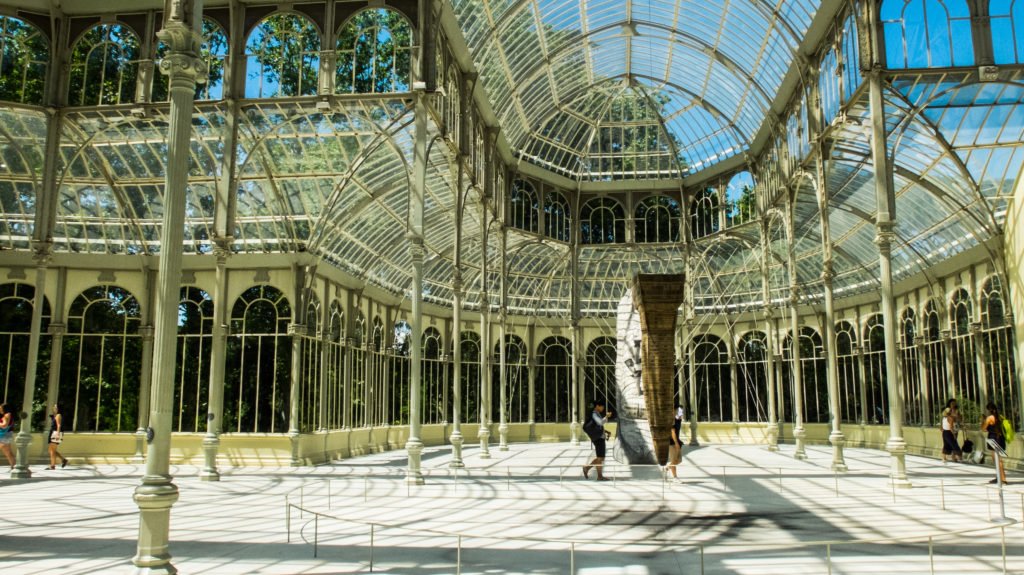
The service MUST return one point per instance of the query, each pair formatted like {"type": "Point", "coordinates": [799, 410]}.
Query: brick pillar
{"type": "Point", "coordinates": [658, 298]}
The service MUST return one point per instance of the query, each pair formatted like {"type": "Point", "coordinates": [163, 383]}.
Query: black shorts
{"type": "Point", "coordinates": [599, 446]}
{"type": "Point", "coordinates": [1000, 440]}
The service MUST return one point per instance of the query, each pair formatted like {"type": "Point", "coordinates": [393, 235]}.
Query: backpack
{"type": "Point", "coordinates": [591, 428]}
{"type": "Point", "coordinates": [1008, 430]}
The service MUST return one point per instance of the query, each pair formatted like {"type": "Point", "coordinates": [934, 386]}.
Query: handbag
{"type": "Point", "coordinates": [57, 437]}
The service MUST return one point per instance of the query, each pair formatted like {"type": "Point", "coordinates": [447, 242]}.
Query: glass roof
{"type": "Point", "coordinates": [610, 89]}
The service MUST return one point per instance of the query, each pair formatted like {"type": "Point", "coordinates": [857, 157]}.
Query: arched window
{"type": "Point", "coordinates": [311, 416]}
{"type": "Point", "coordinates": [997, 339]}
{"type": "Point", "coordinates": [711, 372]}
{"type": "Point", "coordinates": [470, 380]}
{"type": "Point", "coordinates": [875, 386]}
{"type": "Point", "coordinates": [359, 355]}
{"type": "Point", "coordinates": [557, 216]}
{"type": "Point", "coordinates": [522, 206]}
{"type": "Point", "coordinates": [704, 213]}
{"type": "Point", "coordinates": [851, 59]}
{"type": "Point", "coordinates": [195, 336]}
{"type": "Point", "coordinates": [1007, 30]}
{"type": "Point", "coordinates": [16, 302]}
{"type": "Point", "coordinates": [751, 366]}
{"type": "Point", "coordinates": [104, 66]}
{"type": "Point", "coordinates": [282, 57]}
{"type": "Point", "coordinates": [849, 373]}
{"type": "Point", "coordinates": [434, 377]}
{"type": "Point", "coordinates": [214, 53]}
{"type": "Point", "coordinates": [334, 369]}
{"type": "Point", "coordinates": [932, 352]}
{"type": "Point", "coordinates": [373, 53]}
{"type": "Point", "coordinates": [740, 199]}
{"type": "Point", "coordinates": [554, 380]}
{"type": "Point", "coordinates": [812, 375]}
{"type": "Point", "coordinates": [259, 355]}
{"type": "Point", "coordinates": [452, 105]}
{"type": "Point", "coordinates": [379, 367]}
{"type": "Point", "coordinates": [657, 220]}
{"type": "Point", "coordinates": [602, 221]}
{"type": "Point", "coordinates": [516, 378]}
{"type": "Point", "coordinates": [828, 86]}
{"type": "Point", "coordinates": [599, 373]}
{"type": "Point", "coordinates": [25, 58]}
{"type": "Point", "coordinates": [915, 400]}
{"type": "Point", "coordinates": [927, 33]}
{"type": "Point", "coordinates": [965, 375]}
{"type": "Point", "coordinates": [102, 361]}
{"type": "Point", "coordinates": [394, 386]}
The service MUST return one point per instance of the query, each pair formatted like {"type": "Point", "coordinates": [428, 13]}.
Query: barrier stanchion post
{"type": "Point", "coordinates": [942, 493]}
{"type": "Point", "coordinates": [371, 548]}
{"type": "Point", "coordinates": [1002, 542]}
{"type": "Point", "coordinates": [458, 557]}
{"type": "Point", "coordinates": [701, 560]}
{"type": "Point", "coordinates": [509, 483]}
{"type": "Point", "coordinates": [316, 533]}
{"type": "Point", "coordinates": [828, 557]}
{"type": "Point", "coordinates": [836, 478]}
{"type": "Point", "coordinates": [288, 518]}
{"type": "Point", "coordinates": [931, 557]}
{"type": "Point", "coordinates": [724, 486]}
{"type": "Point", "coordinates": [988, 502]}
{"type": "Point", "coordinates": [780, 482]}
{"type": "Point", "coordinates": [572, 558]}
{"type": "Point", "coordinates": [892, 487]}
{"type": "Point", "coordinates": [302, 500]}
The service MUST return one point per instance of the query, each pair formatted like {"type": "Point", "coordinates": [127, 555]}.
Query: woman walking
{"type": "Point", "coordinates": [993, 426]}
{"type": "Point", "coordinates": [6, 422]}
{"type": "Point", "coordinates": [56, 438]}
{"type": "Point", "coordinates": [950, 446]}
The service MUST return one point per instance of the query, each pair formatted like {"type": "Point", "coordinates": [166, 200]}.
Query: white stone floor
{"type": "Point", "coordinates": [735, 509]}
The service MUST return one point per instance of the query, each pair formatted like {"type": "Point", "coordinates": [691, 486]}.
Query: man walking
{"type": "Point", "coordinates": [594, 428]}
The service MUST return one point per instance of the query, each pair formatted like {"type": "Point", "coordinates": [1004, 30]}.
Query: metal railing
{"type": "Point", "coordinates": [351, 491]}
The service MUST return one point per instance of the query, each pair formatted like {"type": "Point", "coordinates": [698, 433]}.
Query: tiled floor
{"type": "Point", "coordinates": [735, 509]}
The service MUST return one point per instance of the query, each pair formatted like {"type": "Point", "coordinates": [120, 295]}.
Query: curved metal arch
{"type": "Point", "coordinates": [247, 33]}
{"type": "Point", "coordinates": [107, 173]}
{"type": "Point", "coordinates": [765, 7]}
{"type": "Point", "coordinates": [916, 114]}
{"type": "Point", "coordinates": [539, 67]}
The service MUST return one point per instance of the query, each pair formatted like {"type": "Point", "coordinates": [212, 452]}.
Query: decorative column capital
{"type": "Point", "coordinates": [185, 42]}
{"type": "Point", "coordinates": [975, 327]}
{"type": "Point", "coordinates": [767, 314]}
{"type": "Point", "coordinates": [794, 295]}
{"type": "Point", "coordinates": [296, 329]}
{"type": "Point", "coordinates": [416, 249]}
{"type": "Point", "coordinates": [885, 236]}
{"type": "Point", "coordinates": [146, 332]}
{"type": "Point", "coordinates": [222, 248]}
{"type": "Point", "coordinates": [57, 329]}
{"type": "Point", "coordinates": [827, 274]}
{"type": "Point", "coordinates": [42, 253]}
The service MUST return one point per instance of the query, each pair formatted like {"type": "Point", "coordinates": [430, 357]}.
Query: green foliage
{"type": "Point", "coordinates": [104, 66]}
{"type": "Point", "coordinates": [283, 57]}
{"type": "Point", "coordinates": [24, 56]}
{"type": "Point", "coordinates": [374, 53]}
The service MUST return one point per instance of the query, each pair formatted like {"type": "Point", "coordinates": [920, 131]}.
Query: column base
{"type": "Point", "coordinates": [837, 440]}
{"type": "Point", "coordinates": [772, 436]}
{"type": "Point", "coordinates": [140, 447]}
{"type": "Point", "coordinates": [456, 441]}
{"type": "Point", "coordinates": [21, 468]}
{"type": "Point", "coordinates": [897, 448]}
{"type": "Point", "coordinates": [574, 433]}
{"type": "Point", "coordinates": [211, 444]}
{"type": "Point", "coordinates": [503, 437]}
{"type": "Point", "coordinates": [154, 496]}
{"type": "Point", "coordinates": [485, 447]}
{"type": "Point", "coordinates": [293, 437]}
{"type": "Point", "coordinates": [798, 435]}
{"type": "Point", "coordinates": [414, 447]}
